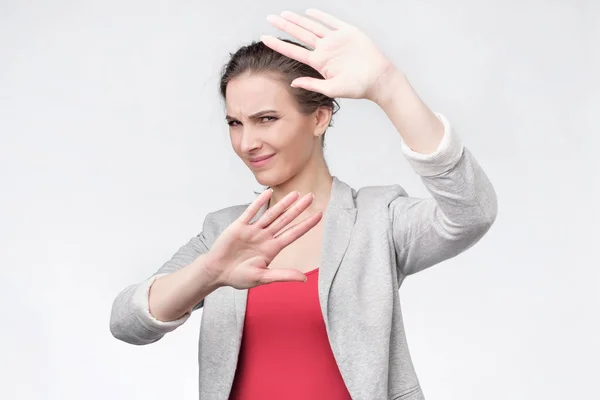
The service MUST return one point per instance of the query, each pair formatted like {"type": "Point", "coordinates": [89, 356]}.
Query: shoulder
{"type": "Point", "coordinates": [216, 221]}
{"type": "Point", "coordinates": [378, 196]}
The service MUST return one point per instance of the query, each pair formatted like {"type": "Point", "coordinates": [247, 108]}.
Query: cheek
{"type": "Point", "coordinates": [296, 142]}
{"type": "Point", "coordinates": [294, 133]}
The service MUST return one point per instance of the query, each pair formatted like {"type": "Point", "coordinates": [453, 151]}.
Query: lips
{"type": "Point", "coordinates": [261, 160]}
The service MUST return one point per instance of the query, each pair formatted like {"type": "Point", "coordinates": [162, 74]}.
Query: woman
{"type": "Point", "coordinates": [329, 324]}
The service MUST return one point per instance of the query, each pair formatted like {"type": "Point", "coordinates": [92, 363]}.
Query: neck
{"type": "Point", "coordinates": [315, 178]}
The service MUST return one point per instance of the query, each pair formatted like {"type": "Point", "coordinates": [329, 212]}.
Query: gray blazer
{"type": "Point", "coordinates": [373, 238]}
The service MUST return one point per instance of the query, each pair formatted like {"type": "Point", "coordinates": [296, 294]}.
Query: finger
{"type": "Point", "coordinates": [255, 206]}
{"type": "Point", "coordinates": [287, 49]}
{"type": "Point", "coordinates": [317, 29]}
{"type": "Point", "coordinates": [291, 214]}
{"type": "Point", "coordinates": [296, 231]}
{"type": "Point", "coordinates": [324, 86]}
{"type": "Point", "coordinates": [327, 18]}
{"type": "Point", "coordinates": [282, 275]}
{"type": "Point", "coordinates": [272, 213]}
{"type": "Point", "coordinates": [294, 30]}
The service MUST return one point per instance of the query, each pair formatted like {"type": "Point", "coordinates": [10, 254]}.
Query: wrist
{"type": "Point", "coordinates": [389, 84]}
{"type": "Point", "coordinates": [206, 272]}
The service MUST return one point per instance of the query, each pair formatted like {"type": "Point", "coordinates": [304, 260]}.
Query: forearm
{"type": "Point", "coordinates": [419, 127]}
{"type": "Point", "coordinates": [176, 294]}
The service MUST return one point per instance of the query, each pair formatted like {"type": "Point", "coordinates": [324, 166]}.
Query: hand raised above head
{"type": "Point", "coordinates": [350, 62]}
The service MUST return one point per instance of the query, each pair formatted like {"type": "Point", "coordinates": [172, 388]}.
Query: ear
{"type": "Point", "coordinates": [322, 119]}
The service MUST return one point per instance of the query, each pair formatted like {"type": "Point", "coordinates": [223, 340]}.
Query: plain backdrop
{"type": "Point", "coordinates": [113, 148]}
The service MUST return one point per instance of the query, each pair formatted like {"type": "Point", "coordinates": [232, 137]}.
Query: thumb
{"type": "Point", "coordinates": [282, 275]}
{"type": "Point", "coordinates": [314, 85]}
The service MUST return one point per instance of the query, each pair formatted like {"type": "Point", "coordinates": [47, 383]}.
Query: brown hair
{"type": "Point", "coordinates": [258, 58]}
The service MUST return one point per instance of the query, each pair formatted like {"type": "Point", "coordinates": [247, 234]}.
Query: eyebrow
{"type": "Point", "coordinates": [255, 115]}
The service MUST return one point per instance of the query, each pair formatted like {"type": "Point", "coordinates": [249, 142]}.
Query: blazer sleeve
{"type": "Point", "coordinates": [461, 209]}
{"type": "Point", "coordinates": [130, 318]}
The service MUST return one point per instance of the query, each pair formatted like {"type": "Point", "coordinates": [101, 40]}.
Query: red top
{"type": "Point", "coordinates": [285, 352]}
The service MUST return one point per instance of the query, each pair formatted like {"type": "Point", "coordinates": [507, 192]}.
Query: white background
{"type": "Point", "coordinates": [113, 148]}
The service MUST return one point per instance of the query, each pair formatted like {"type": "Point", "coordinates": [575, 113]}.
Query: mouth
{"type": "Point", "coordinates": [260, 161]}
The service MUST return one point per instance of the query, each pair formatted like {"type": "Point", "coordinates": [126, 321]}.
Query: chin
{"type": "Point", "coordinates": [270, 177]}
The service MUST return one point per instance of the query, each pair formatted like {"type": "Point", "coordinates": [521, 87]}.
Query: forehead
{"type": "Point", "coordinates": [251, 93]}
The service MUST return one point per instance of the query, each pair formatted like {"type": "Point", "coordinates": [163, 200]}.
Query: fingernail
{"type": "Point", "coordinates": [271, 17]}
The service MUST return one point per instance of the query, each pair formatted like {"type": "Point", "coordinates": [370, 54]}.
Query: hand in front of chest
{"type": "Point", "coordinates": [240, 257]}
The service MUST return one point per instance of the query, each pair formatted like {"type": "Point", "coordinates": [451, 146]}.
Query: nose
{"type": "Point", "coordinates": [250, 141]}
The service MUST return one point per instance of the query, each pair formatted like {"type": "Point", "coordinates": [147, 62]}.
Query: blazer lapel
{"type": "Point", "coordinates": [339, 220]}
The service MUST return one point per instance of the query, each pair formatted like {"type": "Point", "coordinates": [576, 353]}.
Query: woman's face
{"type": "Point", "coordinates": [268, 132]}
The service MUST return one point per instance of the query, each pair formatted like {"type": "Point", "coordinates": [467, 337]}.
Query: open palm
{"type": "Point", "coordinates": [347, 58]}
{"type": "Point", "coordinates": [241, 255]}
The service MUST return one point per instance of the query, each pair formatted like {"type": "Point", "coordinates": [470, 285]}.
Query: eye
{"type": "Point", "coordinates": [233, 122]}
{"type": "Point", "coordinates": [268, 118]}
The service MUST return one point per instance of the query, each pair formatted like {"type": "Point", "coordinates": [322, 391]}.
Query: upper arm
{"type": "Point", "coordinates": [424, 236]}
